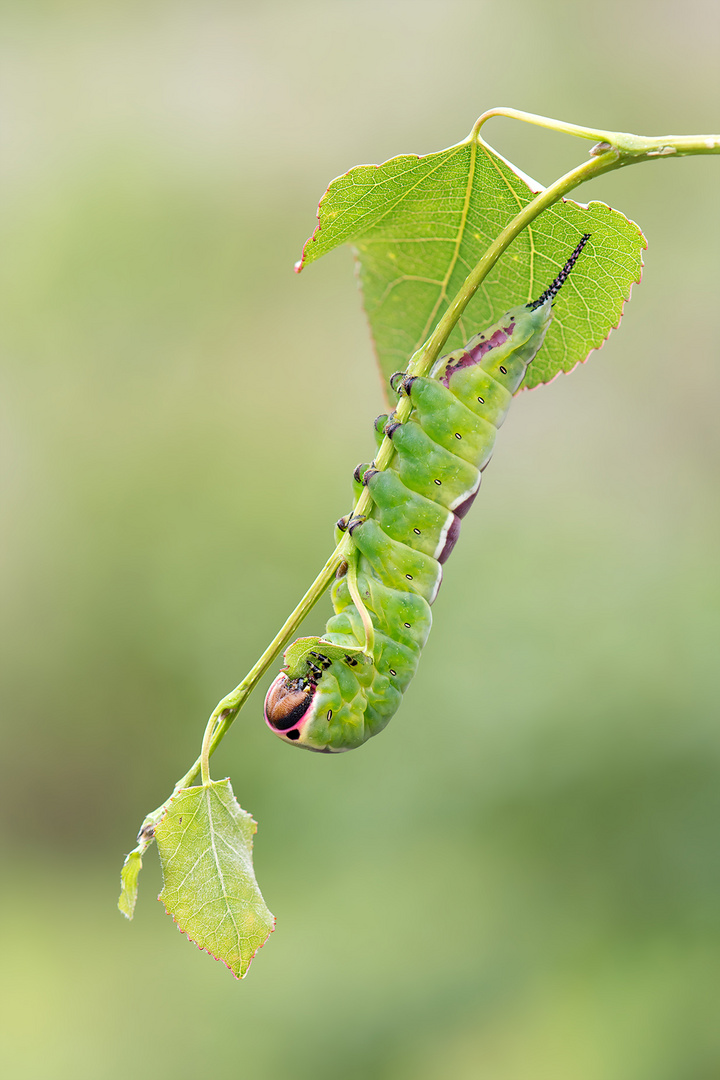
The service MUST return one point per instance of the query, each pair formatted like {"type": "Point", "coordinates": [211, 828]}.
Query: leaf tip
{"type": "Point", "coordinates": [237, 970]}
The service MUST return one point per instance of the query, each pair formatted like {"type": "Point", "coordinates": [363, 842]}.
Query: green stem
{"type": "Point", "coordinates": [614, 151]}
{"type": "Point", "coordinates": [226, 710]}
{"type": "Point", "coordinates": [205, 751]}
{"type": "Point", "coordinates": [641, 147]}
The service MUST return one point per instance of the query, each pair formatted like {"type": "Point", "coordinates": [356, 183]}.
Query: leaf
{"type": "Point", "coordinates": [209, 886]}
{"type": "Point", "coordinates": [418, 225]}
{"type": "Point", "coordinates": [129, 883]}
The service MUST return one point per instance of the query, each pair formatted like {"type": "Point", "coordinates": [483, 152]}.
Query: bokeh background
{"type": "Point", "coordinates": [521, 877]}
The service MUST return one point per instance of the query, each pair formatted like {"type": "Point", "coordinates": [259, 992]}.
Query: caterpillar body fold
{"type": "Point", "coordinates": [336, 691]}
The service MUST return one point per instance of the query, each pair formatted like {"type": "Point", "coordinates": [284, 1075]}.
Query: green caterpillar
{"type": "Point", "coordinates": [335, 692]}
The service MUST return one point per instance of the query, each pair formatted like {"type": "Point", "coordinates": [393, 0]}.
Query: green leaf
{"type": "Point", "coordinates": [418, 225]}
{"type": "Point", "coordinates": [129, 883]}
{"type": "Point", "coordinates": [209, 886]}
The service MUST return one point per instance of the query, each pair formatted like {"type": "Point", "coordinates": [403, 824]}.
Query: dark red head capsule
{"type": "Point", "coordinates": [286, 703]}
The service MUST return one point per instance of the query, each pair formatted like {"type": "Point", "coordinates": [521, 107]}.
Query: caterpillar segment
{"type": "Point", "coordinates": [337, 691]}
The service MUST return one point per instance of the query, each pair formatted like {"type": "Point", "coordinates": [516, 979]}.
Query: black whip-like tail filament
{"type": "Point", "coordinates": [560, 280]}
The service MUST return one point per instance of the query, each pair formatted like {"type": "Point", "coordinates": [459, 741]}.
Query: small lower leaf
{"type": "Point", "coordinates": [209, 886]}
{"type": "Point", "coordinates": [129, 883]}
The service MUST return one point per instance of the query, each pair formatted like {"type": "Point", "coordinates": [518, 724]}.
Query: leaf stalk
{"type": "Point", "coordinates": [639, 147]}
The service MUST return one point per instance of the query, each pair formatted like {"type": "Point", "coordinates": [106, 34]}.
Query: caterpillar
{"type": "Point", "coordinates": [337, 691]}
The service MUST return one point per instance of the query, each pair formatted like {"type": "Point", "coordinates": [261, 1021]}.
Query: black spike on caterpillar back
{"type": "Point", "coordinates": [552, 290]}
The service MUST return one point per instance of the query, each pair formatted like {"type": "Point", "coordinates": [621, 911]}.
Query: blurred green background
{"type": "Point", "coordinates": [520, 878]}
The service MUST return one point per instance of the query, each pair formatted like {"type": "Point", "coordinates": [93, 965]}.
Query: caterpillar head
{"type": "Point", "coordinates": [317, 701]}
{"type": "Point", "coordinates": [286, 703]}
